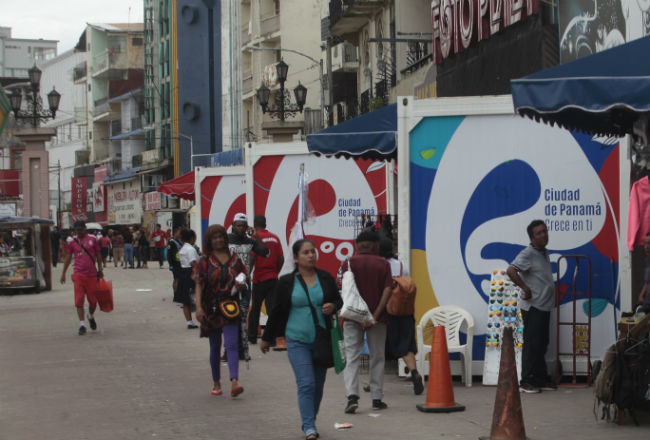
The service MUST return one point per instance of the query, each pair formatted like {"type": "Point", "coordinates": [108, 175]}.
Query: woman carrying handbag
{"type": "Point", "coordinates": [220, 275]}
{"type": "Point", "coordinates": [303, 298]}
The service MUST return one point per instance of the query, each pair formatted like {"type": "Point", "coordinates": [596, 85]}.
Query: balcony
{"type": "Point", "coordinates": [79, 72]}
{"type": "Point", "coordinates": [245, 36]}
{"type": "Point", "coordinates": [270, 25]}
{"type": "Point", "coordinates": [247, 82]}
{"type": "Point", "coordinates": [348, 16]}
{"type": "Point", "coordinates": [80, 116]}
{"type": "Point", "coordinates": [345, 58]}
{"type": "Point", "coordinates": [417, 57]}
{"type": "Point", "coordinates": [150, 156]}
{"type": "Point", "coordinates": [110, 64]}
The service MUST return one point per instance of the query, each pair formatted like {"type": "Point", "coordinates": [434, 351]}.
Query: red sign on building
{"type": "Point", "coordinates": [79, 198]}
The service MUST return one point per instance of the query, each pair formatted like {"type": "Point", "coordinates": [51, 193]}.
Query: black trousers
{"type": "Point", "coordinates": [261, 292]}
{"type": "Point", "coordinates": [533, 363]}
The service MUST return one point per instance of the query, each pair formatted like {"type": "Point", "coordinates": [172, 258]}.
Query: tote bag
{"type": "Point", "coordinates": [354, 307]}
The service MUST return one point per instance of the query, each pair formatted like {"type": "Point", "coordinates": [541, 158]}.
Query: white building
{"type": "Point", "coordinates": [18, 55]}
{"type": "Point", "coordinates": [70, 124]}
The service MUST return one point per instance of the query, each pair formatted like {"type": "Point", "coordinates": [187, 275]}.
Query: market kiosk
{"type": "Point", "coordinates": [25, 254]}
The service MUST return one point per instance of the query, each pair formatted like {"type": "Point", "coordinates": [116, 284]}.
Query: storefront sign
{"type": "Point", "coordinates": [7, 209]}
{"type": "Point", "coordinates": [125, 203]}
{"type": "Point", "coordinates": [152, 201]}
{"type": "Point", "coordinates": [99, 195]}
{"type": "Point", "coordinates": [79, 198]}
{"type": "Point", "coordinates": [590, 27]}
{"type": "Point", "coordinates": [459, 23]}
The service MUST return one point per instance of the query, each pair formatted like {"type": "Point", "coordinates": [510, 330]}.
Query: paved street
{"type": "Point", "coordinates": [144, 375]}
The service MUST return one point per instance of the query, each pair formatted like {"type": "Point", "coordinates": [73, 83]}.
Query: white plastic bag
{"type": "Point", "coordinates": [354, 307]}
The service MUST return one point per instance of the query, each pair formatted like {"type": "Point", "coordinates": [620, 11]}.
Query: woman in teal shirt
{"type": "Point", "coordinates": [291, 317]}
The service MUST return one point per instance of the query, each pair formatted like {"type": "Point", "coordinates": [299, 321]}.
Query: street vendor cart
{"type": "Point", "coordinates": [25, 254]}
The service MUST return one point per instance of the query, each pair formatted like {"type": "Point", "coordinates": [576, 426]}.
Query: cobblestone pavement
{"type": "Point", "coordinates": [143, 375]}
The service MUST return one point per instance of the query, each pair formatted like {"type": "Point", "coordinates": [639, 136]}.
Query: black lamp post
{"type": "Point", "coordinates": [282, 108]}
{"type": "Point", "coordinates": [35, 110]}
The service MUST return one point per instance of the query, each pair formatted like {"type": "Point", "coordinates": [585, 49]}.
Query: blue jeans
{"type": "Point", "coordinates": [310, 380]}
{"type": "Point", "coordinates": [128, 255]}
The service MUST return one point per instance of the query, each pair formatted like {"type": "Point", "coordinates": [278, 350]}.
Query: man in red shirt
{"type": "Point", "coordinates": [374, 280]}
{"type": "Point", "coordinates": [86, 251]}
{"type": "Point", "coordinates": [159, 238]}
{"type": "Point", "coordinates": [265, 275]}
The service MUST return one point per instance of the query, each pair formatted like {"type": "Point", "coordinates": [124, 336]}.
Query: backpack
{"type": "Point", "coordinates": [402, 297]}
{"type": "Point", "coordinates": [604, 384]}
{"type": "Point", "coordinates": [172, 253]}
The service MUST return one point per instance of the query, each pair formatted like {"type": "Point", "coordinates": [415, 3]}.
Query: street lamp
{"type": "Point", "coordinates": [35, 110]}
{"type": "Point", "coordinates": [282, 108]}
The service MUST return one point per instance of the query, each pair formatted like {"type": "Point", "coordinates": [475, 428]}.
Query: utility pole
{"type": "Point", "coordinates": [58, 214]}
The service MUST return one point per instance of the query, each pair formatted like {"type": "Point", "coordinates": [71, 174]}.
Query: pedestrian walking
{"type": "Point", "coordinates": [117, 242]}
{"type": "Point", "coordinates": [86, 251]}
{"type": "Point", "coordinates": [373, 278]}
{"type": "Point", "coordinates": [136, 247]}
{"type": "Point", "coordinates": [104, 246]}
{"type": "Point", "coordinates": [55, 239]}
{"type": "Point", "coordinates": [173, 246]}
{"type": "Point", "coordinates": [188, 258]}
{"type": "Point", "coordinates": [143, 245]}
{"type": "Point", "coordinates": [292, 317]}
{"type": "Point", "coordinates": [160, 239]}
{"type": "Point", "coordinates": [220, 275]}
{"type": "Point", "coordinates": [128, 247]}
{"type": "Point", "coordinates": [265, 275]}
{"type": "Point", "coordinates": [244, 241]}
{"type": "Point", "coordinates": [532, 272]}
{"type": "Point", "coordinates": [400, 331]}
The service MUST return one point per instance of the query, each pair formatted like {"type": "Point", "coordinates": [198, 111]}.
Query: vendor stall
{"type": "Point", "coordinates": [25, 258]}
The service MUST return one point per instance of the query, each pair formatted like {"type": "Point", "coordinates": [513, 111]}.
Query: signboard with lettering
{"type": "Point", "coordinates": [457, 24]}
{"type": "Point", "coordinates": [152, 201]}
{"type": "Point", "coordinates": [125, 203]}
{"type": "Point", "coordinates": [79, 198]}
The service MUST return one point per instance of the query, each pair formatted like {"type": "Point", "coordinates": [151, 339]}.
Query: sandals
{"type": "Point", "coordinates": [236, 390]}
{"type": "Point", "coordinates": [312, 436]}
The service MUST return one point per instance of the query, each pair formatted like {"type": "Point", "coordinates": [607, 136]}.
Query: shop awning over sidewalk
{"type": "Point", "coordinates": [369, 136]}
{"type": "Point", "coordinates": [602, 93]}
{"type": "Point", "coordinates": [182, 186]}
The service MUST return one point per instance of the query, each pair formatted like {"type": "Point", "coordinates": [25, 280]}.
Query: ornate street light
{"type": "Point", "coordinates": [283, 106]}
{"type": "Point", "coordinates": [35, 110]}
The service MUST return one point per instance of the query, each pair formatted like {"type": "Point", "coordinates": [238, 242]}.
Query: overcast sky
{"type": "Point", "coordinates": [65, 20]}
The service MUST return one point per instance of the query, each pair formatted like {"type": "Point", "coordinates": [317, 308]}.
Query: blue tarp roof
{"type": "Point", "coordinates": [371, 136]}
{"type": "Point", "coordinates": [601, 93]}
{"type": "Point", "coordinates": [127, 134]}
{"type": "Point", "coordinates": [123, 175]}
{"type": "Point", "coordinates": [227, 158]}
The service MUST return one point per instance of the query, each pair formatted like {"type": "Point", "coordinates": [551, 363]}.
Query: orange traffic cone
{"type": "Point", "coordinates": [507, 420]}
{"type": "Point", "coordinates": [440, 394]}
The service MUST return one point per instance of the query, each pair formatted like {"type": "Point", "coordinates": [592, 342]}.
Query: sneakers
{"type": "Point", "coordinates": [192, 325]}
{"type": "Point", "coordinates": [528, 388]}
{"type": "Point", "coordinates": [418, 384]}
{"type": "Point", "coordinates": [549, 386]}
{"type": "Point", "coordinates": [353, 404]}
{"type": "Point", "coordinates": [377, 405]}
{"type": "Point", "coordinates": [92, 322]}
{"type": "Point", "coordinates": [82, 330]}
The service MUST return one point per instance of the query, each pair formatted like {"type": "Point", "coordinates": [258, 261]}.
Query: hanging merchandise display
{"type": "Point", "coordinates": [503, 312]}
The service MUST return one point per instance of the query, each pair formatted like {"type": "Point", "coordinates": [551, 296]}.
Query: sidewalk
{"type": "Point", "coordinates": [144, 375]}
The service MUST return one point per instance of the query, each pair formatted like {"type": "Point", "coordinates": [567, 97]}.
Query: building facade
{"type": "Point", "coordinates": [18, 55]}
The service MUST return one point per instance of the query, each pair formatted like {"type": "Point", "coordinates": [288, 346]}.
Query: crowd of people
{"type": "Point", "coordinates": [218, 280]}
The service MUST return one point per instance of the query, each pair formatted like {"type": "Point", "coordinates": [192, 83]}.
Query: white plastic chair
{"type": "Point", "coordinates": [452, 318]}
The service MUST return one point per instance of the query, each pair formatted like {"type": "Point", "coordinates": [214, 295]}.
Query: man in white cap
{"type": "Point", "coordinates": [243, 241]}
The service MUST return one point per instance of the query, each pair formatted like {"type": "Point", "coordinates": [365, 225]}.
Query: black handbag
{"type": "Point", "coordinates": [321, 353]}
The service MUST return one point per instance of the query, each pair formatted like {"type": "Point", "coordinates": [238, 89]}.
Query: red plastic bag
{"type": "Point", "coordinates": [104, 295]}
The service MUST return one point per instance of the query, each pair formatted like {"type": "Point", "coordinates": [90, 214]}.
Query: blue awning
{"type": "Point", "coordinates": [126, 135]}
{"type": "Point", "coordinates": [369, 136]}
{"type": "Point", "coordinates": [603, 93]}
